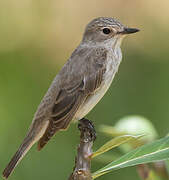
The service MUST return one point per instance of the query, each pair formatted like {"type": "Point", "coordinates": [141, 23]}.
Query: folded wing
{"type": "Point", "coordinates": [81, 76]}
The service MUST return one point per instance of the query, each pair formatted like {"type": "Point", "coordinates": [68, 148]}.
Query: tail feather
{"type": "Point", "coordinates": [37, 129]}
{"type": "Point", "coordinates": [17, 158]}
{"type": "Point", "coordinates": [10, 167]}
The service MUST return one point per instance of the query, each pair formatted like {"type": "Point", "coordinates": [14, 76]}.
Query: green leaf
{"type": "Point", "coordinates": [115, 142]}
{"type": "Point", "coordinates": [107, 158]}
{"type": "Point", "coordinates": [156, 151]}
{"type": "Point", "coordinates": [111, 131]}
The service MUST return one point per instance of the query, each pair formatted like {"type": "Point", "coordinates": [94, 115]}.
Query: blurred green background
{"type": "Point", "coordinates": [36, 39]}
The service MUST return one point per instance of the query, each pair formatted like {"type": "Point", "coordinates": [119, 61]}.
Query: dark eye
{"type": "Point", "coordinates": [106, 31]}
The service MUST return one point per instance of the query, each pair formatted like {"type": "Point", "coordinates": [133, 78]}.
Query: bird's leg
{"type": "Point", "coordinates": [84, 151]}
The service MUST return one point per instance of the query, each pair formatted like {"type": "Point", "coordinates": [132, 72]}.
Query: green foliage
{"type": "Point", "coordinates": [115, 142]}
{"type": "Point", "coordinates": [152, 152]}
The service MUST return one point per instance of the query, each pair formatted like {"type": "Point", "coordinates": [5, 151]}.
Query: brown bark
{"type": "Point", "coordinates": [84, 151]}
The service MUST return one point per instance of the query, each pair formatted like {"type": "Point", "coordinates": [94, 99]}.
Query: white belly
{"type": "Point", "coordinates": [88, 105]}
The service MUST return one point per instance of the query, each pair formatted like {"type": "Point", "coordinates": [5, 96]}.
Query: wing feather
{"type": "Point", "coordinates": [76, 86]}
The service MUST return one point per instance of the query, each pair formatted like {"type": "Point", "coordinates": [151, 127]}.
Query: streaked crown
{"type": "Point", "coordinates": [104, 28]}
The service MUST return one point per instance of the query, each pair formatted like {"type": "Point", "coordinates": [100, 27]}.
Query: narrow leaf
{"type": "Point", "coordinates": [111, 131]}
{"type": "Point", "coordinates": [114, 132]}
{"type": "Point", "coordinates": [156, 151]}
{"type": "Point", "coordinates": [107, 158]}
{"type": "Point", "coordinates": [115, 142]}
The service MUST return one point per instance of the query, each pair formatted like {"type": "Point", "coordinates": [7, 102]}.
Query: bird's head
{"type": "Point", "coordinates": [105, 29]}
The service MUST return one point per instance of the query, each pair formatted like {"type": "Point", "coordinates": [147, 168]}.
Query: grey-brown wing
{"type": "Point", "coordinates": [81, 77]}
{"type": "Point", "coordinates": [63, 112]}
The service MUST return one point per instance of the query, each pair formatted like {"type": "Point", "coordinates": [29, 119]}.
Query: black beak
{"type": "Point", "coordinates": [129, 31]}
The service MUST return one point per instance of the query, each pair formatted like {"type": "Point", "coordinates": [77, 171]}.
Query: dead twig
{"type": "Point", "coordinates": [84, 151]}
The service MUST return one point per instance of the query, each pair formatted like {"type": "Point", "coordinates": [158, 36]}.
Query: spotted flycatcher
{"type": "Point", "coordinates": [79, 86]}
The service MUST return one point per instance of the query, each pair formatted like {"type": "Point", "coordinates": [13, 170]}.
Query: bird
{"type": "Point", "coordinates": [79, 85]}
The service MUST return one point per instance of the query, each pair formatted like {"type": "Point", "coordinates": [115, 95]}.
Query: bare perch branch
{"type": "Point", "coordinates": [84, 151]}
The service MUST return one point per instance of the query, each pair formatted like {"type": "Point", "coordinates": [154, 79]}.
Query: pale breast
{"type": "Point", "coordinates": [92, 100]}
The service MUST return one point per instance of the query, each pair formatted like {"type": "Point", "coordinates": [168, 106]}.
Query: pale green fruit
{"type": "Point", "coordinates": [137, 125]}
